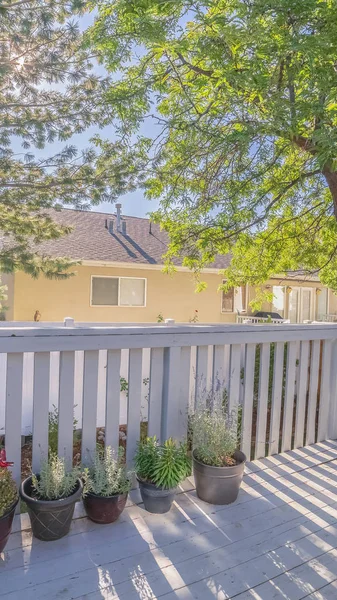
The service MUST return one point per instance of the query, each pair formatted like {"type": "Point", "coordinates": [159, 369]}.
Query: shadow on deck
{"type": "Point", "coordinates": [278, 541]}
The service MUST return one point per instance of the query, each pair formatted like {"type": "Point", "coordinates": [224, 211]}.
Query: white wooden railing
{"type": "Point", "coordinates": [284, 378]}
{"type": "Point", "coordinates": [250, 320]}
{"type": "Point", "coordinates": [329, 318]}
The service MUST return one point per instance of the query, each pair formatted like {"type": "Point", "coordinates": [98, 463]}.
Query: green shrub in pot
{"type": "Point", "coordinates": [107, 483]}
{"type": "Point", "coordinates": [51, 496]}
{"type": "Point", "coordinates": [160, 468]}
{"type": "Point", "coordinates": [217, 463]}
{"type": "Point", "coordinates": [8, 501]}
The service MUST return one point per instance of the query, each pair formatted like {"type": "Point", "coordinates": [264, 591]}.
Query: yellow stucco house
{"type": "Point", "coordinates": [120, 279]}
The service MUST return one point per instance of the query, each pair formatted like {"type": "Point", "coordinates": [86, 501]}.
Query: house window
{"type": "Point", "coordinates": [118, 291]}
{"type": "Point", "coordinates": [235, 300]}
{"type": "Point", "coordinates": [228, 301]}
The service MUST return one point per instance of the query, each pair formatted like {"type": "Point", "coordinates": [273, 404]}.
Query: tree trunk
{"type": "Point", "coordinates": [331, 179]}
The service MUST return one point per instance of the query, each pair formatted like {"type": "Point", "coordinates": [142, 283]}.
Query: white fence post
{"type": "Point", "coordinates": [69, 322]}
{"type": "Point", "coordinates": [332, 431]}
{"type": "Point", "coordinates": [171, 423]}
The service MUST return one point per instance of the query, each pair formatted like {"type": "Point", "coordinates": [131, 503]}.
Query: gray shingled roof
{"type": "Point", "coordinates": [91, 240]}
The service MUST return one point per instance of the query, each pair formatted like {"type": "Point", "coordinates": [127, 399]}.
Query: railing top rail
{"type": "Point", "coordinates": [33, 339]}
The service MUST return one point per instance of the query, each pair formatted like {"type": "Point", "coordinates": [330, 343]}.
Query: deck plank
{"type": "Point", "coordinates": [279, 540]}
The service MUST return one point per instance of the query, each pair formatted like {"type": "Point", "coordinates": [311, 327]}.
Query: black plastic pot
{"type": "Point", "coordinates": [104, 509]}
{"type": "Point", "coordinates": [6, 522]}
{"type": "Point", "coordinates": [156, 500]}
{"type": "Point", "coordinates": [50, 519]}
{"type": "Point", "coordinates": [219, 485]}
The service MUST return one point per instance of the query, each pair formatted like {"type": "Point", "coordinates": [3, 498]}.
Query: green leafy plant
{"type": "Point", "coordinates": [54, 481]}
{"type": "Point", "coordinates": [165, 465]}
{"type": "Point", "coordinates": [53, 429]}
{"type": "Point", "coordinates": [124, 386]}
{"type": "Point", "coordinates": [107, 475]}
{"type": "Point", "coordinates": [8, 491]}
{"type": "Point", "coordinates": [160, 318]}
{"type": "Point", "coordinates": [214, 436]}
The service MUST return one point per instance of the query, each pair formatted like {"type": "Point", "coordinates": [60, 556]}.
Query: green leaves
{"type": "Point", "coordinates": [165, 465]}
{"type": "Point", "coordinates": [243, 98]}
{"type": "Point", "coordinates": [49, 92]}
{"type": "Point", "coordinates": [107, 474]}
{"type": "Point", "coordinates": [54, 481]}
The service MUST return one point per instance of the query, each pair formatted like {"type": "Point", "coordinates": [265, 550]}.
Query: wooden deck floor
{"type": "Point", "coordinates": [278, 541]}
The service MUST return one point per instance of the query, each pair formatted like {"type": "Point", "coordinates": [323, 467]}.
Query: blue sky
{"type": "Point", "coordinates": [133, 203]}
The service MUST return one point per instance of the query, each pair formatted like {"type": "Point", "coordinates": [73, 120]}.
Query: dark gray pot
{"type": "Point", "coordinates": [219, 485]}
{"type": "Point", "coordinates": [50, 519]}
{"type": "Point", "coordinates": [156, 500]}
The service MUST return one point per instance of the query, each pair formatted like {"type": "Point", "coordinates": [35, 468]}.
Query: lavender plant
{"type": "Point", "coordinates": [107, 475]}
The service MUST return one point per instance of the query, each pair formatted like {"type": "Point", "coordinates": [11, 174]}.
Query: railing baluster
{"type": "Point", "coordinates": [263, 397]}
{"type": "Point", "coordinates": [234, 376]}
{"type": "Point", "coordinates": [247, 415]}
{"type": "Point", "coordinates": [66, 406]}
{"type": "Point", "coordinates": [172, 425]}
{"type": "Point", "coordinates": [313, 388]}
{"type": "Point", "coordinates": [332, 430]}
{"type": "Point", "coordinates": [301, 394]}
{"type": "Point", "coordinates": [288, 410]}
{"type": "Point", "coordinates": [90, 387]}
{"type": "Point", "coordinates": [134, 402]}
{"type": "Point", "coordinates": [184, 376]}
{"type": "Point", "coordinates": [14, 412]}
{"type": "Point", "coordinates": [40, 408]}
{"type": "Point", "coordinates": [274, 437]}
{"type": "Point", "coordinates": [324, 399]}
{"type": "Point", "coordinates": [201, 375]}
{"type": "Point", "coordinates": [156, 391]}
{"type": "Point", "coordinates": [113, 400]}
{"type": "Point", "coordinates": [218, 368]}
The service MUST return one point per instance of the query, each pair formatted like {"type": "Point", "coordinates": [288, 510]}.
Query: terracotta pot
{"type": "Point", "coordinates": [104, 509]}
{"type": "Point", "coordinates": [50, 519]}
{"type": "Point", "coordinates": [219, 485]}
{"type": "Point", "coordinates": [6, 522]}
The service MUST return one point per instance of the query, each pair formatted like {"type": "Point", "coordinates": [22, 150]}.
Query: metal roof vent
{"type": "Point", "coordinates": [119, 215]}
{"type": "Point", "coordinates": [124, 227]}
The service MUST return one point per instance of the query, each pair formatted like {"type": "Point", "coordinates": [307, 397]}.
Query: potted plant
{"type": "Point", "coordinates": [218, 465]}
{"type": "Point", "coordinates": [106, 486]}
{"type": "Point", "coordinates": [8, 500]}
{"type": "Point", "coordinates": [50, 497]}
{"type": "Point", "coordinates": [160, 468]}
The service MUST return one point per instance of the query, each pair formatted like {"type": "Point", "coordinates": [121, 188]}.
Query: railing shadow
{"type": "Point", "coordinates": [279, 540]}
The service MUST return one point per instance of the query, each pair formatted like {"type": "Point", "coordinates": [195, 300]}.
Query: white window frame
{"type": "Point", "coordinates": [119, 305]}
{"type": "Point", "coordinates": [234, 311]}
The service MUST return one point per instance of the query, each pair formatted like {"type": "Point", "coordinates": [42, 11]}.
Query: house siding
{"type": "Point", "coordinates": [173, 296]}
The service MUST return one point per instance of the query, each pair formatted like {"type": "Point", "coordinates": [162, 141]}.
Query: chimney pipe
{"type": "Point", "coordinates": [118, 208]}
{"type": "Point", "coordinates": [124, 227]}
{"type": "Point", "coordinates": [111, 226]}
